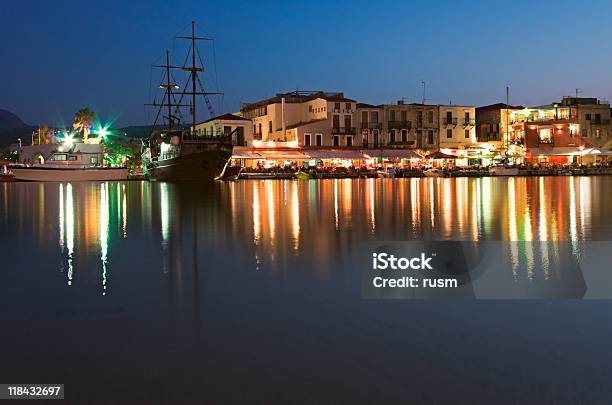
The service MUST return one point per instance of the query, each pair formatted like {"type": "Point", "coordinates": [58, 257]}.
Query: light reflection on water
{"type": "Point", "coordinates": [262, 273]}
{"type": "Point", "coordinates": [275, 220]}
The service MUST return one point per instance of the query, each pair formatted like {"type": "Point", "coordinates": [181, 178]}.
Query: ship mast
{"type": "Point", "coordinates": [168, 85]}
{"type": "Point", "coordinates": [193, 75]}
{"type": "Point", "coordinates": [193, 79]}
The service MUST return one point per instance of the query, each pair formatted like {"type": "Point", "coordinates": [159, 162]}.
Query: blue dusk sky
{"type": "Point", "coordinates": [57, 56]}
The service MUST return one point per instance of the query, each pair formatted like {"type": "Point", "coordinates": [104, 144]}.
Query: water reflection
{"type": "Point", "coordinates": [270, 224]}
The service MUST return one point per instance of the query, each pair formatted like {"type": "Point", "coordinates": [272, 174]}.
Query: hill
{"type": "Point", "coordinates": [11, 136]}
{"type": "Point", "coordinates": [10, 121]}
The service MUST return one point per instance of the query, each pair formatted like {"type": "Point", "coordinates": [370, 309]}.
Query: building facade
{"type": "Point", "coordinates": [457, 126]}
{"type": "Point", "coordinates": [414, 126]}
{"type": "Point", "coordinates": [306, 119]}
{"type": "Point", "coordinates": [592, 116]}
{"type": "Point", "coordinates": [240, 129]}
{"type": "Point", "coordinates": [493, 124]}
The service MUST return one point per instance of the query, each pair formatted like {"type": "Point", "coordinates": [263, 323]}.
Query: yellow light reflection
{"type": "Point", "coordinates": [295, 215]}
{"type": "Point", "coordinates": [70, 230]}
{"type": "Point", "coordinates": [104, 224]}
{"type": "Point", "coordinates": [256, 214]}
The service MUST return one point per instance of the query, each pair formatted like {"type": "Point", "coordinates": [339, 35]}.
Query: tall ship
{"type": "Point", "coordinates": [179, 152]}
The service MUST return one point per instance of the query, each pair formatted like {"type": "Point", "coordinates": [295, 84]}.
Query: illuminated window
{"type": "Point", "coordinates": [545, 135]}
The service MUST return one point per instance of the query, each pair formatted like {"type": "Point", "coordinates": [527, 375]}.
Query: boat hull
{"type": "Point", "coordinates": [504, 171]}
{"type": "Point", "coordinates": [7, 178]}
{"type": "Point", "coordinates": [432, 173]}
{"type": "Point", "coordinates": [65, 175]}
{"type": "Point", "coordinates": [200, 166]}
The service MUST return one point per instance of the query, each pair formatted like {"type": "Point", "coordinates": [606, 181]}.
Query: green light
{"type": "Point", "coordinates": [68, 140]}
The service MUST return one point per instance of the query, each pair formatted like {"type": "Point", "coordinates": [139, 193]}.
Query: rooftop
{"type": "Point", "coordinates": [225, 117]}
{"type": "Point", "coordinates": [498, 106]}
{"type": "Point", "coordinates": [298, 97]}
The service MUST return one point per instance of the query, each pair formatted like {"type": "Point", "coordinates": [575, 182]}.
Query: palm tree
{"type": "Point", "coordinates": [84, 120]}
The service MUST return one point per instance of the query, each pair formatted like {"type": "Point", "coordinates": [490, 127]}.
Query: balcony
{"type": "Point", "coordinates": [598, 121]}
{"type": "Point", "coordinates": [546, 141]}
{"type": "Point", "coordinates": [400, 125]}
{"type": "Point", "coordinates": [466, 122]}
{"type": "Point", "coordinates": [343, 131]}
{"type": "Point", "coordinates": [450, 121]}
{"type": "Point", "coordinates": [371, 125]}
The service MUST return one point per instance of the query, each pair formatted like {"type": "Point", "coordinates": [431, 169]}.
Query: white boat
{"type": "Point", "coordinates": [384, 174]}
{"type": "Point", "coordinates": [433, 172]}
{"type": "Point", "coordinates": [69, 174]}
{"type": "Point", "coordinates": [80, 162]}
{"type": "Point", "coordinates": [504, 171]}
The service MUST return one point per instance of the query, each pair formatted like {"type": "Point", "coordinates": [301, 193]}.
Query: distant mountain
{"type": "Point", "coordinates": [12, 127]}
{"type": "Point", "coordinates": [9, 137]}
{"type": "Point", "coordinates": [9, 121]}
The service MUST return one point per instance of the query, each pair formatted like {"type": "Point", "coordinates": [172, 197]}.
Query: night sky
{"type": "Point", "coordinates": [57, 56]}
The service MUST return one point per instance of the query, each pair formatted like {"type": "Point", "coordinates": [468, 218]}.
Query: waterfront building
{"type": "Point", "coordinates": [240, 129]}
{"type": "Point", "coordinates": [492, 124]}
{"type": "Point", "coordinates": [413, 125]}
{"type": "Point", "coordinates": [593, 118]}
{"type": "Point", "coordinates": [549, 134]}
{"type": "Point", "coordinates": [303, 118]}
{"type": "Point", "coordinates": [370, 125]}
{"type": "Point", "coordinates": [457, 126]}
{"type": "Point", "coordinates": [458, 133]}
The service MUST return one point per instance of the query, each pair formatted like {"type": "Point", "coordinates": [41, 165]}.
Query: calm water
{"type": "Point", "coordinates": [249, 291]}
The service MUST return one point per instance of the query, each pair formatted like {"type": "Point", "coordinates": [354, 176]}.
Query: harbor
{"type": "Point", "coordinates": [313, 202]}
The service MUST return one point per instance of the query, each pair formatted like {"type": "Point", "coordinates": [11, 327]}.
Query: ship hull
{"type": "Point", "coordinates": [65, 174]}
{"type": "Point", "coordinates": [200, 166]}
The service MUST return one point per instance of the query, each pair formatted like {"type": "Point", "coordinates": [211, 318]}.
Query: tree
{"type": "Point", "coordinates": [84, 120]}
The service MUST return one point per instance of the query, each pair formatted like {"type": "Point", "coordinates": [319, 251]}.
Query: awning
{"type": "Point", "coordinates": [556, 151]}
{"type": "Point", "coordinates": [246, 154]}
{"type": "Point", "coordinates": [440, 155]}
{"type": "Point", "coordinates": [282, 155]}
{"type": "Point", "coordinates": [335, 154]}
{"type": "Point", "coordinates": [598, 152]}
{"type": "Point", "coordinates": [393, 154]}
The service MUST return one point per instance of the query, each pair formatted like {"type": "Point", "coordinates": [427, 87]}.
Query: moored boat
{"type": "Point", "coordinates": [79, 162]}
{"type": "Point", "coordinates": [180, 153]}
{"type": "Point", "coordinates": [303, 175]}
{"type": "Point", "coordinates": [229, 173]}
{"type": "Point", "coordinates": [504, 171]}
{"type": "Point", "coordinates": [6, 176]}
{"type": "Point", "coordinates": [433, 172]}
